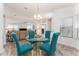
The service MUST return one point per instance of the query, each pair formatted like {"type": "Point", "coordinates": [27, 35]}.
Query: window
{"type": "Point", "coordinates": [70, 27]}
{"type": "Point", "coordinates": [12, 27]}
{"type": "Point", "coordinates": [67, 27]}
{"type": "Point", "coordinates": [29, 26]}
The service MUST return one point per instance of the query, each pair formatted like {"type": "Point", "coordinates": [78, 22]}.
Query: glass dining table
{"type": "Point", "coordinates": [36, 46]}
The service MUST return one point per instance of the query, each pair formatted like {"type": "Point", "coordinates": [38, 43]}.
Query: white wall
{"type": "Point", "coordinates": [59, 14]}
{"type": "Point", "coordinates": [59, 18]}
{"type": "Point", "coordinates": [1, 28]}
{"type": "Point", "coordinates": [76, 9]}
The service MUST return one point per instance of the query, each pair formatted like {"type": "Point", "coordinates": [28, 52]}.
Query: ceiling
{"type": "Point", "coordinates": [24, 12]}
{"type": "Point", "coordinates": [29, 9]}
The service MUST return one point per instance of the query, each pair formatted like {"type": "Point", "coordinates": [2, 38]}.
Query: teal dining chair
{"type": "Point", "coordinates": [24, 48]}
{"type": "Point", "coordinates": [31, 36]}
{"type": "Point", "coordinates": [50, 48]}
{"type": "Point", "coordinates": [47, 36]}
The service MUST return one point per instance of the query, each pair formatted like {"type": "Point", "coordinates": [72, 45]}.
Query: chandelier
{"type": "Point", "coordinates": [37, 15]}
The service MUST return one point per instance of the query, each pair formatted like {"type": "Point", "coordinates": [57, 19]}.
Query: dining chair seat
{"type": "Point", "coordinates": [50, 48]}
{"type": "Point", "coordinates": [33, 39]}
{"type": "Point", "coordinates": [46, 47]}
{"type": "Point", "coordinates": [25, 48]}
{"type": "Point", "coordinates": [21, 49]}
{"type": "Point", "coordinates": [45, 40]}
{"type": "Point", "coordinates": [31, 36]}
{"type": "Point", "coordinates": [47, 36]}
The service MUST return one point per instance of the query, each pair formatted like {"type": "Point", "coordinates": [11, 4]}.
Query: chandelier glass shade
{"type": "Point", "coordinates": [37, 16]}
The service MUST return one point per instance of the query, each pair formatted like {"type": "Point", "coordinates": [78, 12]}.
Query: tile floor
{"type": "Point", "coordinates": [62, 50]}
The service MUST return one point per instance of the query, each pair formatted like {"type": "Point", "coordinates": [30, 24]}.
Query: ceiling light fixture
{"type": "Point", "coordinates": [37, 15]}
